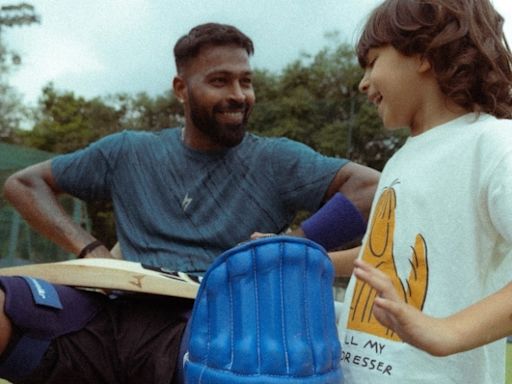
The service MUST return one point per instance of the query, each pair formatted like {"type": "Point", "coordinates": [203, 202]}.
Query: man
{"type": "Point", "coordinates": [181, 197]}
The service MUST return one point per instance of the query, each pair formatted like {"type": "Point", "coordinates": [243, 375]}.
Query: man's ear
{"type": "Point", "coordinates": [179, 87]}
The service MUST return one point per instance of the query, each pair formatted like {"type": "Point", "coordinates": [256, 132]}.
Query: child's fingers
{"type": "Point", "coordinates": [376, 279]}
{"type": "Point", "coordinates": [391, 307]}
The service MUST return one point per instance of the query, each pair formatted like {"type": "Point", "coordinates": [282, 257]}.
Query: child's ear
{"type": "Point", "coordinates": [424, 66]}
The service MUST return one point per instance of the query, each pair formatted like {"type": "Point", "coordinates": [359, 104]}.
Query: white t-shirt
{"type": "Point", "coordinates": [441, 226]}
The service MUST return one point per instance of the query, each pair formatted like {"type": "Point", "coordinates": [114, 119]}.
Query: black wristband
{"type": "Point", "coordinates": [89, 248]}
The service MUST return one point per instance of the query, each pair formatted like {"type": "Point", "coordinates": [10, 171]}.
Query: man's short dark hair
{"type": "Point", "coordinates": [205, 35]}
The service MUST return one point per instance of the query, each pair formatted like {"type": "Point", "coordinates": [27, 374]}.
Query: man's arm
{"type": "Point", "coordinates": [481, 323]}
{"type": "Point", "coordinates": [34, 193]}
{"type": "Point", "coordinates": [356, 182]}
{"type": "Point", "coordinates": [343, 217]}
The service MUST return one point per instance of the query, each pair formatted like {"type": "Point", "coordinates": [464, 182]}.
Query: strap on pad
{"type": "Point", "coordinates": [43, 292]}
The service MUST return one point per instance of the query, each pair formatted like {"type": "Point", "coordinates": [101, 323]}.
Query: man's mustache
{"type": "Point", "coordinates": [232, 107]}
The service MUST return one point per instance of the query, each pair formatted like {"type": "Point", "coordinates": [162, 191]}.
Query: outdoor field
{"type": "Point", "coordinates": [509, 366]}
{"type": "Point", "coordinates": [509, 363]}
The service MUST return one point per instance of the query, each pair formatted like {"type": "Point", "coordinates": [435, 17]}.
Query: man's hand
{"type": "Point", "coordinates": [100, 253]}
{"type": "Point", "coordinates": [291, 232]}
{"type": "Point", "coordinates": [260, 235]}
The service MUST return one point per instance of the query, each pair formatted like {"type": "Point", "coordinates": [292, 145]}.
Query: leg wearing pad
{"type": "Point", "coordinates": [41, 312]}
{"type": "Point", "coordinates": [265, 314]}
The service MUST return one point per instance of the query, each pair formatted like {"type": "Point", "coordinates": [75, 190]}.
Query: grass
{"type": "Point", "coordinates": [509, 364]}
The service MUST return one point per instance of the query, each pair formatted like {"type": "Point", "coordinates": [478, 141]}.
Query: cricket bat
{"type": "Point", "coordinates": [111, 274]}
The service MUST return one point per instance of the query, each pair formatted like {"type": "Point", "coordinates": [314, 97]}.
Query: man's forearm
{"type": "Point", "coordinates": [37, 202]}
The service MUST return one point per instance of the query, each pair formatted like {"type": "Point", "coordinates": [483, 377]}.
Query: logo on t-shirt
{"type": "Point", "coordinates": [186, 202]}
{"type": "Point", "coordinates": [378, 251]}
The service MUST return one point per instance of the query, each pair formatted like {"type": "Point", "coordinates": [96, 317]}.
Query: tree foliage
{"type": "Point", "coordinates": [16, 15]}
{"type": "Point", "coordinates": [66, 122]}
{"type": "Point", "coordinates": [12, 111]}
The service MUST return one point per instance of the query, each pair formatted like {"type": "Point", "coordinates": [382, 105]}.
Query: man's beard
{"type": "Point", "coordinates": [226, 135]}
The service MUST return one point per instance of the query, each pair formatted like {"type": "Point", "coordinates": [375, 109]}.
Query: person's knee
{"type": "Point", "coordinates": [34, 313]}
{"type": "Point", "coordinates": [5, 325]}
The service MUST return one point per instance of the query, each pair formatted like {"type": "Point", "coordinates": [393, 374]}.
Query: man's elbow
{"type": "Point", "coordinates": [25, 182]}
{"type": "Point", "coordinates": [16, 186]}
{"type": "Point", "coordinates": [360, 187]}
{"type": "Point", "coordinates": [11, 187]}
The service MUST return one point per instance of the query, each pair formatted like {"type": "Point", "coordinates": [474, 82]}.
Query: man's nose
{"type": "Point", "coordinates": [237, 93]}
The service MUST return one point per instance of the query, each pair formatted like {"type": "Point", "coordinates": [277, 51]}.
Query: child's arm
{"type": "Point", "coordinates": [487, 320]}
{"type": "Point", "coordinates": [343, 261]}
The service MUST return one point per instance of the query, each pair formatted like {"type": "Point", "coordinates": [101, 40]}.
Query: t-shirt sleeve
{"type": "Point", "coordinates": [87, 173]}
{"type": "Point", "coordinates": [302, 175]}
{"type": "Point", "coordinates": [500, 197]}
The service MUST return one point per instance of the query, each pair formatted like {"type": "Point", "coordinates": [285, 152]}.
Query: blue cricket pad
{"type": "Point", "coordinates": [336, 223]}
{"type": "Point", "coordinates": [265, 314]}
{"type": "Point", "coordinates": [42, 312]}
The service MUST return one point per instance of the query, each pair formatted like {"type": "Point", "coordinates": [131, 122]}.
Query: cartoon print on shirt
{"type": "Point", "coordinates": [378, 251]}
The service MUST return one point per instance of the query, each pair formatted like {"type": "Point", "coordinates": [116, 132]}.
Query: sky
{"type": "Point", "coordinates": [101, 47]}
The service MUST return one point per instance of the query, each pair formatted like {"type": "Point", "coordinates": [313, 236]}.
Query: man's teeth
{"type": "Point", "coordinates": [232, 113]}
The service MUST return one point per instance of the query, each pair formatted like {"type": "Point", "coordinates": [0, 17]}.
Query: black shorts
{"type": "Point", "coordinates": [131, 340]}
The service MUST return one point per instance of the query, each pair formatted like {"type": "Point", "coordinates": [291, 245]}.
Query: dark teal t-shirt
{"type": "Point", "coordinates": [180, 208]}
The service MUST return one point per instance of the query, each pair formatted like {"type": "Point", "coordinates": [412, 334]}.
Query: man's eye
{"type": "Point", "coordinates": [217, 81]}
{"type": "Point", "coordinates": [246, 82]}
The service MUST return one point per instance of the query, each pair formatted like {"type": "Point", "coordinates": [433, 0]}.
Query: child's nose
{"type": "Point", "coordinates": [364, 84]}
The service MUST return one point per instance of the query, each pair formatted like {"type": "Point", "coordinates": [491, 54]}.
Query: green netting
{"type": "Point", "coordinates": [14, 157]}
{"type": "Point", "coordinates": [19, 244]}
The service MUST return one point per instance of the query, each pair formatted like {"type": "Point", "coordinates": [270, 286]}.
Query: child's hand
{"type": "Point", "coordinates": [410, 324]}
{"type": "Point", "coordinates": [378, 252]}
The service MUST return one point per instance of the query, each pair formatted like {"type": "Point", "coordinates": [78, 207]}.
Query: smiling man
{"type": "Point", "coordinates": [181, 197]}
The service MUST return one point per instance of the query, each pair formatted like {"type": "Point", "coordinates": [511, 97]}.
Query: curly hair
{"type": "Point", "coordinates": [462, 39]}
{"type": "Point", "coordinates": [211, 34]}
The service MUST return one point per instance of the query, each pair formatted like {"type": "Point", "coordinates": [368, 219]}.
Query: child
{"type": "Point", "coordinates": [438, 249]}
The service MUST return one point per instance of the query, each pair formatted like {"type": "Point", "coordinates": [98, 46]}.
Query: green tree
{"type": "Point", "coordinates": [143, 112]}
{"type": "Point", "coordinates": [66, 122]}
{"type": "Point", "coordinates": [16, 15]}
{"type": "Point", "coordinates": [12, 111]}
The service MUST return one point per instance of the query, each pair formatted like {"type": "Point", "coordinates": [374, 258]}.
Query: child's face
{"type": "Point", "coordinates": [392, 82]}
